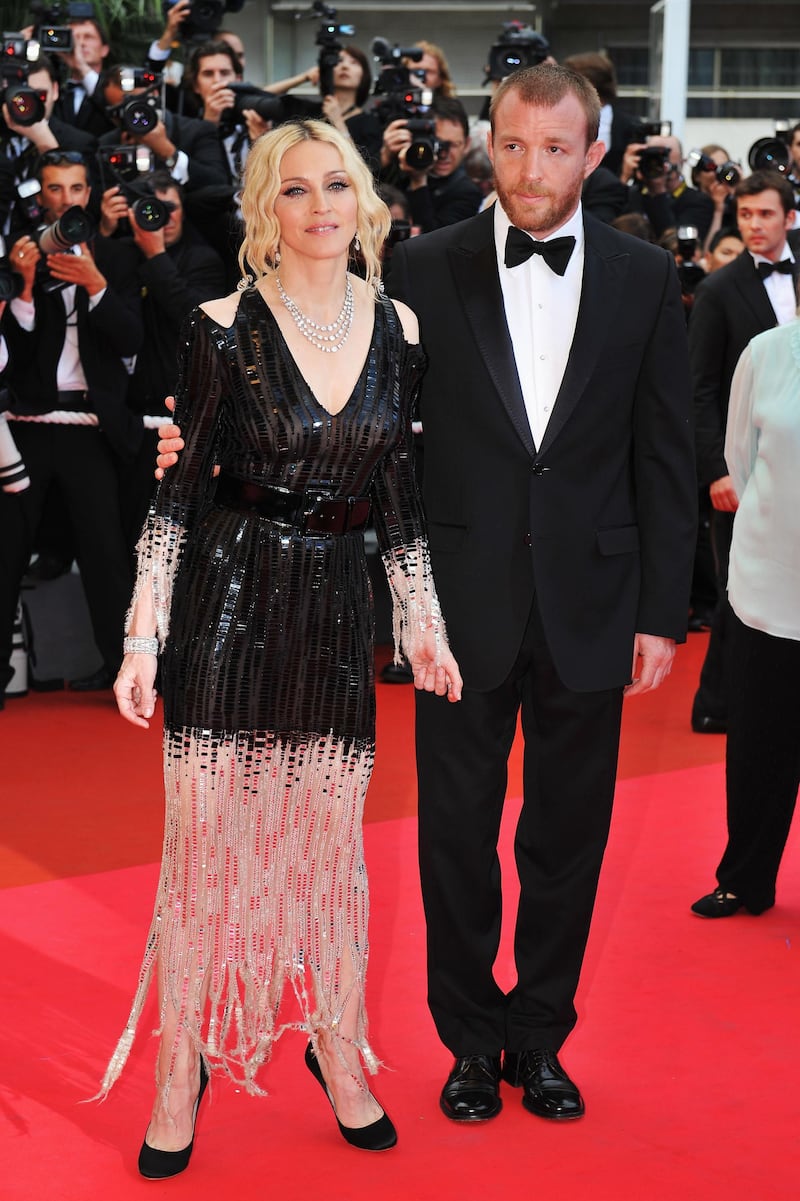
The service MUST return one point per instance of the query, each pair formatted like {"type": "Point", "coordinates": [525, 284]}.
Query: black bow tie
{"type": "Point", "coordinates": [785, 266]}
{"type": "Point", "coordinates": [556, 252]}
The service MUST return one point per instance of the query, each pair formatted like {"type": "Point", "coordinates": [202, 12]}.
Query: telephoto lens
{"type": "Point", "coordinates": [25, 106]}
{"type": "Point", "coordinates": [72, 227]}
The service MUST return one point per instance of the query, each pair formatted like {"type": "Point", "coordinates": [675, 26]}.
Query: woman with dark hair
{"type": "Point", "coordinates": [344, 107]}
{"type": "Point", "coordinates": [299, 387]}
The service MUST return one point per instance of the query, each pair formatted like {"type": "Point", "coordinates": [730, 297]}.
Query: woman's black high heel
{"type": "Point", "coordinates": [159, 1165]}
{"type": "Point", "coordinates": [378, 1136]}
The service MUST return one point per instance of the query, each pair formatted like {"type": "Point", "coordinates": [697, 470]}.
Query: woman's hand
{"type": "Point", "coordinates": [435, 669]}
{"type": "Point", "coordinates": [134, 688]}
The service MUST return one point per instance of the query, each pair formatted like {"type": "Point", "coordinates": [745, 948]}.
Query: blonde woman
{"type": "Point", "coordinates": [253, 584]}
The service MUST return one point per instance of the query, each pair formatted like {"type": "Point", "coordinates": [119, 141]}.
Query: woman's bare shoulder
{"type": "Point", "coordinates": [223, 309]}
{"type": "Point", "coordinates": [408, 320]}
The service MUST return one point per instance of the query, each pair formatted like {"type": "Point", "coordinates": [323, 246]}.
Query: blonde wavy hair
{"type": "Point", "coordinates": [262, 182]}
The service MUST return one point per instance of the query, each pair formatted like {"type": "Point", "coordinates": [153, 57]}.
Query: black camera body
{"type": "Point", "coordinates": [517, 47]}
{"type": "Point", "coordinates": [727, 172]}
{"type": "Point", "coordinates": [138, 113]}
{"type": "Point", "coordinates": [328, 35]}
{"type": "Point", "coordinates": [129, 168]}
{"type": "Point", "coordinates": [53, 32]}
{"type": "Point", "coordinates": [399, 94]}
{"type": "Point", "coordinates": [424, 148]}
{"type": "Point", "coordinates": [204, 19]}
{"type": "Point", "coordinates": [251, 96]}
{"type": "Point", "coordinates": [653, 162]}
{"type": "Point", "coordinates": [25, 104]}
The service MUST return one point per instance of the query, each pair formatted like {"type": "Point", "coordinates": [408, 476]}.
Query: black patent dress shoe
{"type": "Point", "coordinates": [705, 723]}
{"type": "Point", "coordinates": [98, 681]}
{"type": "Point", "coordinates": [472, 1090]}
{"type": "Point", "coordinates": [547, 1090]}
{"type": "Point", "coordinates": [160, 1165]}
{"type": "Point", "coordinates": [717, 904]}
{"type": "Point", "coordinates": [378, 1136]}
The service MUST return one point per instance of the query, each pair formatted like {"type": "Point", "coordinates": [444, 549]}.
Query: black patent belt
{"type": "Point", "coordinates": [304, 512]}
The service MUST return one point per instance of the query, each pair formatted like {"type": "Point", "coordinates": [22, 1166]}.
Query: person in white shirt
{"type": "Point", "coordinates": [762, 450]}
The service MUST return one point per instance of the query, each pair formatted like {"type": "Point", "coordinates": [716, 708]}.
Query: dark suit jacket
{"type": "Point", "coordinates": [199, 140]}
{"type": "Point", "coordinates": [110, 332]}
{"type": "Point", "coordinates": [600, 521]}
{"type": "Point", "coordinates": [730, 308]}
{"type": "Point", "coordinates": [624, 130]}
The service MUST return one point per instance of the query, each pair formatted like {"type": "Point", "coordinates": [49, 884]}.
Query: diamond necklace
{"type": "Point", "coordinates": [327, 338]}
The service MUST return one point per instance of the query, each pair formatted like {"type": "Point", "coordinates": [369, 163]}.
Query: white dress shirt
{"type": "Point", "coordinates": [780, 288]}
{"type": "Point", "coordinates": [541, 313]}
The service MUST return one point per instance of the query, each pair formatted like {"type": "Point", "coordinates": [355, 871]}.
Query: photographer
{"type": "Point", "coordinates": [189, 148]}
{"type": "Point", "coordinates": [715, 174]}
{"type": "Point", "coordinates": [177, 270]}
{"type": "Point", "coordinates": [652, 172]}
{"type": "Point", "coordinates": [78, 104]}
{"type": "Point", "coordinates": [74, 322]}
{"type": "Point", "coordinates": [617, 128]}
{"type": "Point", "coordinates": [441, 193]}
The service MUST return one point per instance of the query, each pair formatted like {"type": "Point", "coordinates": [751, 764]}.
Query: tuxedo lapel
{"type": "Point", "coordinates": [603, 284]}
{"type": "Point", "coordinates": [752, 292]}
{"type": "Point", "coordinates": [474, 269]}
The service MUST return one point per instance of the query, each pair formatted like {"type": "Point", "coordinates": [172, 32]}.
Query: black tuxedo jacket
{"type": "Point", "coordinates": [111, 332]}
{"type": "Point", "coordinates": [600, 520]}
{"type": "Point", "coordinates": [730, 308]}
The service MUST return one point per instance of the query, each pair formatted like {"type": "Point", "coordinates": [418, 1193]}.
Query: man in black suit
{"type": "Point", "coordinates": [750, 295]}
{"type": "Point", "coordinates": [78, 104]}
{"type": "Point", "coordinates": [68, 381]}
{"type": "Point", "coordinates": [560, 496]}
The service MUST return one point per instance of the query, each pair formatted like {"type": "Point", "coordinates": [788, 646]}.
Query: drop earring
{"type": "Point", "coordinates": [276, 259]}
{"type": "Point", "coordinates": [356, 243]}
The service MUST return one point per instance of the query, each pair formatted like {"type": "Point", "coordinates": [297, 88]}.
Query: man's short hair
{"type": "Point", "coordinates": [764, 181]}
{"type": "Point", "coordinates": [61, 158]}
{"type": "Point", "coordinates": [44, 63]}
{"type": "Point", "coordinates": [599, 70]}
{"type": "Point", "coordinates": [450, 109]}
{"type": "Point", "coordinates": [209, 50]}
{"type": "Point", "coordinates": [545, 86]}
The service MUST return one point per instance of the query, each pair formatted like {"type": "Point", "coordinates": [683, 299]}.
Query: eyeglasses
{"type": "Point", "coordinates": [57, 158]}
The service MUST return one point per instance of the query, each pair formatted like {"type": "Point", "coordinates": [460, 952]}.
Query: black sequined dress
{"type": "Point", "coordinates": [267, 679]}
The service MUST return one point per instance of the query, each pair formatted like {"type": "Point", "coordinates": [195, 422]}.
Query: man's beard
{"type": "Point", "coordinates": [541, 219]}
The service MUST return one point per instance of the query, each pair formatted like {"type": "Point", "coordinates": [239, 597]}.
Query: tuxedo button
{"type": "Point", "coordinates": [527, 540]}
{"type": "Point", "coordinates": [538, 469]}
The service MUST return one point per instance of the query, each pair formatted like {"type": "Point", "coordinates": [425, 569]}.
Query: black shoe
{"type": "Point", "coordinates": [706, 724]}
{"type": "Point", "coordinates": [717, 904]}
{"type": "Point", "coordinates": [160, 1165]}
{"type": "Point", "coordinates": [102, 678]}
{"type": "Point", "coordinates": [378, 1136]}
{"type": "Point", "coordinates": [547, 1090]}
{"type": "Point", "coordinates": [396, 673]}
{"type": "Point", "coordinates": [46, 567]}
{"type": "Point", "coordinates": [472, 1090]}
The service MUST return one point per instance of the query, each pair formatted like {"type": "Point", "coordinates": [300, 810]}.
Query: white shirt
{"type": "Point", "coordinates": [70, 376]}
{"type": "Point", "coordinates": [762, 450]}
{"type": "Point", "coordinates": [541, 312]}
{"type": "Point", "coordinates": [780, 288]}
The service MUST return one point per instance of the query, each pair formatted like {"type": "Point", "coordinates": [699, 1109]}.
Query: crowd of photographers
{"type": "Point", "coordinates": [119, 188]}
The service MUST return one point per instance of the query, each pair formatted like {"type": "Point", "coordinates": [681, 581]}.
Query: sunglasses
{"type": "Point", "coordinates": [57, 158]}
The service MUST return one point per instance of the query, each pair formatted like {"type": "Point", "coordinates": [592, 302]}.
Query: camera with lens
{"type": "Point", "coordinates": [138, 113]}
{"type": "Point", "coordinates": [328, 35]}
{"type": "Point", "coordinates": [399, 91]}
{"type": "Point", "coordinates": [128, 167]}
{"type": "Point", "coordinates": [517, 47]}
{"type": "Point", "coordinates": [728, 172]}
{"type": "Point", "coordinates": [53, 32]}
{"type": "Point", "coordinates": [425, 148]}
{"type": "Point", "coordinates": [773, 154]}
{"type": "Point", "coordinates": [690, 273]}
{"type": "Point", "coordinates": [61, 237]}
{"type": "Point", "coordinates": [653, 162]}
{"type": "Point", "coordinates": [250, 96]}
{"type": "Point", "coordinates": [25, 105]}
{"type": "Point", "coordinates": [204, 19]}
{"type": "Point", "coordinates": [652, 129]}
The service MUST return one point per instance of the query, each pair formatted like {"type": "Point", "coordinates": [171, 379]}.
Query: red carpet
{"type": "Point", "coordinates": [686, 1049]}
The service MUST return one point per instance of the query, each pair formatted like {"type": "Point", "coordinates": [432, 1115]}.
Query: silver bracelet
{"type": "Point", "coordinates": [139, 646]}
